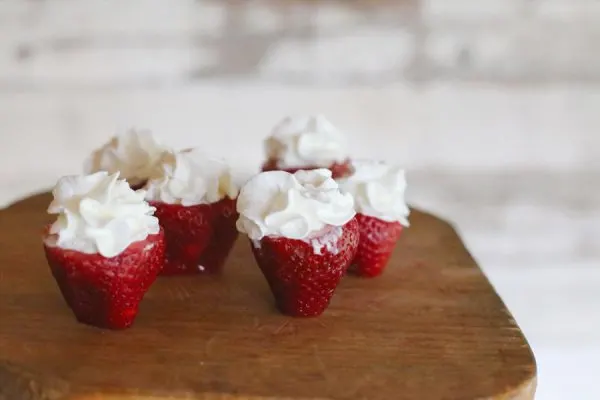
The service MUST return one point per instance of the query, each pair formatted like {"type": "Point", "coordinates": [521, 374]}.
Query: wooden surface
{"type": "Point", "coordinates": [430, 328]}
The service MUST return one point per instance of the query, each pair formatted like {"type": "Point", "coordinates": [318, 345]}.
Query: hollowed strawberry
{"type": "Point", "coordinates": [199, 237]}
{"type": "Point", "coordinates": [106, 292]}
{"type": "Point", "coordinates": [303, 274]}
{"type": "Point", "coordinates": [223, 237]}
{"type": "Point", "coordinates": [377, 241]}
{"type": "Point", "coordinates": [188, 231]}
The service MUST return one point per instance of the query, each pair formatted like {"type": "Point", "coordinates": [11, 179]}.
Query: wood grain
{"type": "Point", "coordinates": [431, 328]}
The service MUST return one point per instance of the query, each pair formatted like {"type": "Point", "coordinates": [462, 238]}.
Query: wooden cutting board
{"type": "Point", "coordinates": [430, 328]}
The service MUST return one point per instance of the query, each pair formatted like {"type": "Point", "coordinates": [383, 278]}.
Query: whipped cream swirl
{"type": "Point", "coordinates": [134, 154]}
{"type": "Point", "coordinates": [99, 213]}
{"type": "Point", "coordinates": [295, 206]}
{"type": "Point", "coordinates": [190, 178]}
{"type": "Point", "coordinates": [308, 141]}
{"type": "Point", "coordinates": [378, 190]}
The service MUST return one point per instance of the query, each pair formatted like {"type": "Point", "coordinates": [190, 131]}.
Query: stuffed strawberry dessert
{"type": "Point", "coordinates": [305, 143]}
{"type": "Point", "coordinates": [195, 201]}
{"type": "Point", "coordinates": [105, 248]}
{"type": "Point", "coordinates": [303, 235]}
{"type": "Point", "coordinates": [378, 191]}
{"type": "Point", "coordinates": [134, 154]}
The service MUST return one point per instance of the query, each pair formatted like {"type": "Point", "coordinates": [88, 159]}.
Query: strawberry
{"type": "Point", "coordinates": [106, 292]}
{"type": "Point", "coordinates": [303, 274]}
{"type": "Point", "coordinates": [223, 238]}
{"type": "Point", "coordinates": [188, 230]}
{"type": "Point", "coordinates": [199, 237]}
{"type": "Point", "coordinates": [377, 241]}
{"type": "Point", "coordinates": [338, 170]}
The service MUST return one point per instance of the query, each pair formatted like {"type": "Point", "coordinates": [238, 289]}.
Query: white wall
{"type": "Point", "coordinates": [485, 85]}
{"type": "Point", "coordinates": [463, 127]}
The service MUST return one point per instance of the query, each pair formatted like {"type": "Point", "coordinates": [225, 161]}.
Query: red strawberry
{"type": "Point", "coordinates": [106, 292]}
{"type": "Point", "coordinates": [338, 170]}
{"type": "Point", "coordinates": [377, 241]}
{"type": "Point", "coordinates": [188, 231]}
{"type": "Point", "coordinates": [224, 236]}
{"type": "Point", "coordinates": [302, 279]}
{"type": "Point", "coordinates": [199, 238]}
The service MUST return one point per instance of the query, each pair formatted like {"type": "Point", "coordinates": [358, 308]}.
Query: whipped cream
{"type": "Point", "coordinates": [295, 206]}
{"type": "Point", "coordinates": [189, 178]}
{"type": "Point", "coordinates": [134, 154]}
{"type": "Point", "coordinates": [308, 141]}
{"type": "Point", "coordinates": [378, 191]}
{"type": "Point", "coordinates": [99, 213]}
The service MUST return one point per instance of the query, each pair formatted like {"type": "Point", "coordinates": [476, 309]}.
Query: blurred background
{"type": "Point", "coordinates": [493, 106]}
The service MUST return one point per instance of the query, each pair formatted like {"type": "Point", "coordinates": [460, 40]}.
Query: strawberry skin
{"type": "Point", "coordinates": [223, 237]}
{"type": "Point", "coordinates": [377, 241]}
{"type": "Point", "coordinates": [106, 292]}
{"type": "Point", "coordinates": [338, 170]}
{"type": "Point", "coordinates": [188, 230]}
{"type": "Point", "coordinates": [199, 238]}
{"type": "Point", "coordinates": [303, 280]}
